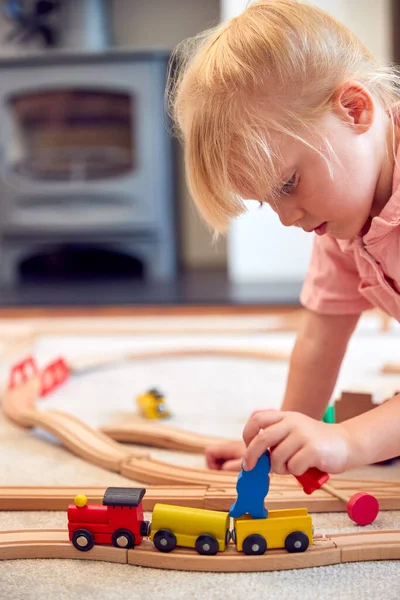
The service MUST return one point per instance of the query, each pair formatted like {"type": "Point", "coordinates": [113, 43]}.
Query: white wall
{"type": "Point", "coordinates": [259, 247]}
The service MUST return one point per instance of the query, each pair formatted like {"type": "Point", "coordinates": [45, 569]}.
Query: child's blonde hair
{"type": "Point", "coordinates": [274, 68]}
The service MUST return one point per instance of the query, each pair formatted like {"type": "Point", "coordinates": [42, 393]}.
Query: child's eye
{"type": "Point", "coordinates": [289, 185]}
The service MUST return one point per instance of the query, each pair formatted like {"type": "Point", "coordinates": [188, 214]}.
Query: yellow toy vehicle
{"type": "Point", "coordinates": [151, 405]}
{"type": "Point", "coordinates": [205, 530]}
{"type": "Point", "coordinates": [288, 528]}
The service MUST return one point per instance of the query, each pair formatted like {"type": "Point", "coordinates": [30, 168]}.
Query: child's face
{"type": "Point", "coordinates": [339, 205]}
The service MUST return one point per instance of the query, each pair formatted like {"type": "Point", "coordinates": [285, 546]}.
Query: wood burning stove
{"type": "Point", "coordinates": [86, 158]}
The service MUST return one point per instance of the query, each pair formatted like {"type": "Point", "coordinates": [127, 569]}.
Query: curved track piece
{"type": "Point", "coordinates": [52, 543]}
{"type": "Point", "coordinates": [338, 548]}
{"type": "Point", "coordinates": [83, 440]}
{"type": "Point", "coordinates": [159, 436]}
{"type": "Point", "coordinates": [390, 368]}
{"type": "Point", "coordinates": [156, 472]}
{"type": "Point", "coordinates": [96, 447]}
{"type": "Point", "coordinates": [89, 363]}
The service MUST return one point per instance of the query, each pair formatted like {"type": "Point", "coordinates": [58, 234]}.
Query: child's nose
{"type": "Point", "coordinates": [289, 216]}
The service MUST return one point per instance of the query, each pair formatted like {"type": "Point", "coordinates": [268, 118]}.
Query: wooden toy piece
{"type": "Point", "coordinates": [156, 472]}
{"type": "Point", "coordinates": [18, 345]}
{"type": "Point", "coordinates": [18, 403]}
{"type": "Point", "coordinates": [329, 416]}
{"type": "Point", "coordinates": [59, 498]}
{"type": "Point", "coordinates": [367, 545]}
{"type": "Point", "coordinates": [88, 363]}
{"type": "Point", "coordinates": [52, 543]}
{"type": "Point", "coordinates": [22, 371]}
{"type": "Point", "coordinates": [110, 523]}
{"type": "Point", "coordinates": [83, 440]}
{"type": "Point", "coordinates": [391, 368]}
{"type": "Point", "coordinates": [352, 404]}
{"type": "Point", "coordinates": [151, 405]}
{"type": "Point", "coordinates": [362, 508]}
{"type": "Point", "coordinates": [312, 480]}
{"type": "Point", "coordinates": [284, 493]}
{"type": "Point", "coordinates": [117, 324]}
{"type": "Point", "coordinates": [158, 436]}
{"type": "Point", "coordinates": [322, 553]}
{"type": "Point", "coordinates": [290, 529]}
{"type": "Point", "coordinates": [205, 530]}
{"type": "Point", "coordinates": [54, 375]}
{"type": "Point", "coordinates": [386, 321]}
{"type": "Point", "coordinates": [252, 488]}
{"type": "Point", "coordinates": [329, 550]}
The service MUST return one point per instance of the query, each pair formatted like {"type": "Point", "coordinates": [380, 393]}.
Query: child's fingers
{"type": "Point", "coordinates": [300, 462]}
{"type": "Point", "coordinates": [264, 440]}
{"type": "Point", "coordinates": [262, 410]}
{"type": "Point", "coordinates": [258, 421]}
{"type": "Point", "coordinates": [283, 453]}
{"type": "Point", "coordinates": [217, 454]}
{"type": "Point", "coordinates": [232, 465]}
{"type": "Point", "coordinates": [213, 462]}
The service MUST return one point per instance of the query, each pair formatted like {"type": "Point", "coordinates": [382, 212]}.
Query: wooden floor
{"type": "Point", "coordinates": [135, 311]}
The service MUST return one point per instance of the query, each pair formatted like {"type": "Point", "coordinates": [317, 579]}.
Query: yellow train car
{"type": "Point", "coordinates": [151, 405]}
{"type": "Point", "coordinates": [205, 530]}
{"type": "Point", "coordinates": [289, 528]}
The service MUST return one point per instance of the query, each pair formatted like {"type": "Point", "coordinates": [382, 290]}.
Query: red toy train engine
{"type": "Point", "coordinates": [119, 521]}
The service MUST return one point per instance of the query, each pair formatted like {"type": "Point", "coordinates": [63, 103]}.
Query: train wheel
{"type": "Point", "coordinates": [207, 544]}
{"type": "Point", "coordinates": [297, 542]}
{"type": "Point", "coordinates": [254, 544]}
{"type": "Point", "coordinates": [164, 540]}
{"type": "Point", "coordinates": [83, 540]}
{"type": "Point", "coordinates": [123, 538]}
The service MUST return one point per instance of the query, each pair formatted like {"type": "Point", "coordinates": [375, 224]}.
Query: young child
{"type": "Point", "coordinates": [284, 105]}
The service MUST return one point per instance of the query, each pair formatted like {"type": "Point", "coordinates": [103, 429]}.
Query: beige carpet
{"type": "Point", "coordinates": [205, 395]}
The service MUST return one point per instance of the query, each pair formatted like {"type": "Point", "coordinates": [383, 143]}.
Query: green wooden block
{"type": "Point", "coordinates": [329, 416]}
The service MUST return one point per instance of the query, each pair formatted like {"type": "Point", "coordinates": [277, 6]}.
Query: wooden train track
{"type": "Point", "coordinates": [159, 436]}
{"type": "Point", "coordinates": [390, 368]}
{"type": "Point", "coordinates": [90, 363]}
{"type": "Point", "coordinates": [284, 493]}
{"type": "Point", "coordinates": [19, 404]}
{"type": "Point", "coordinates": [328, 550]}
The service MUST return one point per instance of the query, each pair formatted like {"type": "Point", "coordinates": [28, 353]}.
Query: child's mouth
{"type": "Point", "coordinates": [321, 229]}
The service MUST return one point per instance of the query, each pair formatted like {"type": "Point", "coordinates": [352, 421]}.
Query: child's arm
{"type": "Point", "coordinates": [315, 362]}
{"type": "Point", "coordinates": [314, 366]}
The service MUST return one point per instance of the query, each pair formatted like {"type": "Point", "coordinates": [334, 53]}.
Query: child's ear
{"type": "Point", "coordinates": [355, 106]}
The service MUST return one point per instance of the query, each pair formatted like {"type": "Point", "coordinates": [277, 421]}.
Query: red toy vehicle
{"type": "Point", "coordinates": [119, 521]}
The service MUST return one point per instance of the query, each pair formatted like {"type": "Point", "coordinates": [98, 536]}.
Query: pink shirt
{"type": "Point", "coordinates": [350, 276]}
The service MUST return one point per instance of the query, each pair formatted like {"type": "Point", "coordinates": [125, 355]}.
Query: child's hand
{"type": "Point", "coordinates": [226, 456]}
{"type": "Point", "coordinates": [297, 443]}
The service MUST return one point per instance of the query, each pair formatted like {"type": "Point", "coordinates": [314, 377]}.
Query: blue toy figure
{"type": "Point", "coordinates": [252, 487]}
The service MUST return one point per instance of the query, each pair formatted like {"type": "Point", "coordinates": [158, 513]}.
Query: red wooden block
{"type": "Point", "coordinates": [53, 376]}
{"type": "Point", "coordinates": [21, 372]}
{"type": "Point", "coordinates": [312, 480]}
